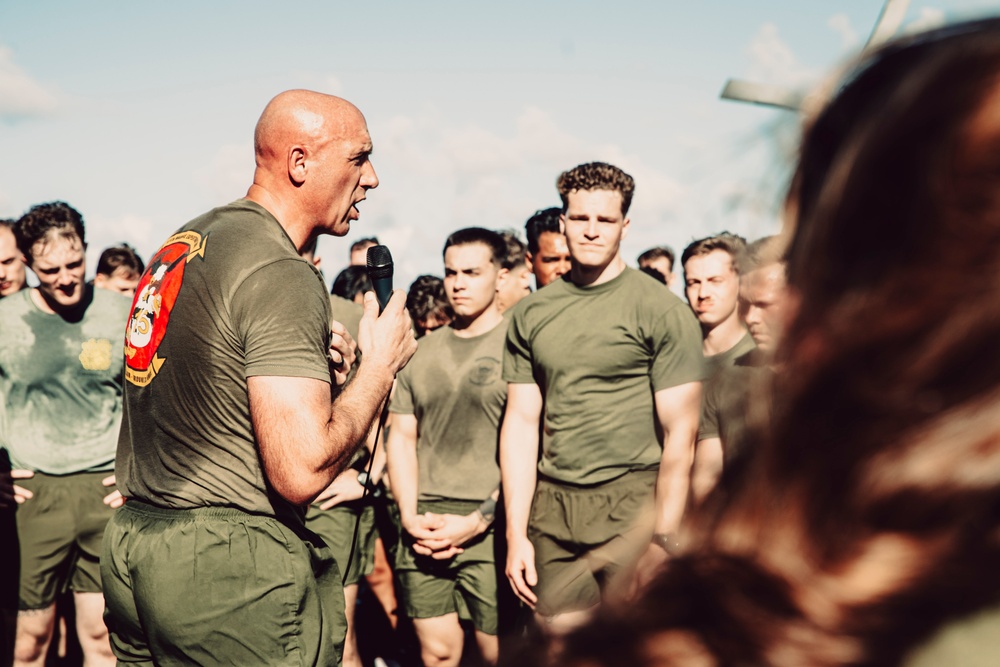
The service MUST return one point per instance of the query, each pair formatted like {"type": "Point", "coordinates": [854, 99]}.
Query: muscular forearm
{"type": "Point", "coordinates": [401, 460]}
{"type": "Point", "coordinates": [353, 416]}
{"type": "Point", "coordinates": [672, 483]}
{"type": "Point", "coordinates": [518, 474]}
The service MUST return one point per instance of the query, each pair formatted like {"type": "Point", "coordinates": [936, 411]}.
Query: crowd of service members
{"type": "Point", "coordinates": [511, 492]}
{"type": "Point", "coordinates": [506, 266]}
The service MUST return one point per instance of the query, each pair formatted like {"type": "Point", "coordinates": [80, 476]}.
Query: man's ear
{"type": "Point", "coordinates": [625, 224]}
{"type": "Point", "coordinates": [297, 165]}
{"type": "Point", "coordinates": [531, 263]}
{"type": "Point", "coordinates": [562, 224]}
{"type": "Point", "coordinates": [502, 276]}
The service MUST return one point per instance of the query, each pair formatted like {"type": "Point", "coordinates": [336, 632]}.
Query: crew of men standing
{"type": "Point", "coordinates": [548, 436]}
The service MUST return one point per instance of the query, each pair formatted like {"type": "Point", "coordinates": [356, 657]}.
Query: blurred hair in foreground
{"type": "Point", "coordinates": [866, 521]}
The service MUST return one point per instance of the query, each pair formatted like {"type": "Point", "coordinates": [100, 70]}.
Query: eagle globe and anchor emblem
{"type": "Point", "coordinates": [154, 299]}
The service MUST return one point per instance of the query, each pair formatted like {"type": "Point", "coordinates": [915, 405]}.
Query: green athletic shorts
{"type": "Point", "coordinates": [60, 530]}
{"type": "Point", "coordinates": [218, 586]}
{"type": "Point", "coordinates": [586, 537]}
{"type": "Point", "coordinates": [465, 584]}
{"type": "Point", "coordinates": [336, 527]}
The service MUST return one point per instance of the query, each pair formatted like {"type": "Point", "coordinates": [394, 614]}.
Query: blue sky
{"type": "Point", "coordinates": [141, 114]}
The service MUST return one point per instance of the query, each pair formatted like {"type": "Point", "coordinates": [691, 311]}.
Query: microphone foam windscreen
{"type": "Point", "coordinates": [379, 259]}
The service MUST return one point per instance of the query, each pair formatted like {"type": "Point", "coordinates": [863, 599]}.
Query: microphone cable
{"type": "Point", "coordinates": [364, 493]}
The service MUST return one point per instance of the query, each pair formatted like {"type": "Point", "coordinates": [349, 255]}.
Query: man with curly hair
{"type": "Point", "coordinates": [61, 388]}
{"type": "Point", "coordinates": [618, 415]}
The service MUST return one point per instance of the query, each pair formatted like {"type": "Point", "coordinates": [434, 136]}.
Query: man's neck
{"type": "Point", "coordinates": [478, 325]}
{"type": "Point", "coordinates": [588, 276]}
{"type": "Point", "coordinates": [69, 314]}
{"type": "Point", "coordinates": [263, 197]}
{"type": "Point", "coordinates": [723, 336]}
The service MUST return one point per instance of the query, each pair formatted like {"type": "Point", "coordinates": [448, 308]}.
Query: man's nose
{"type": "Point", "coordinates": [369, 179]}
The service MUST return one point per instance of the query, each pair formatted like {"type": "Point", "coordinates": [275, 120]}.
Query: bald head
{"type": "Point", "coordinates": [313, 163]}
{"type": "Point", "coordinates": [301, 116]}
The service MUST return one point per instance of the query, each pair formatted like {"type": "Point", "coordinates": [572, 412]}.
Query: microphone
{"type": "Point", "coordinates": [380, 273]}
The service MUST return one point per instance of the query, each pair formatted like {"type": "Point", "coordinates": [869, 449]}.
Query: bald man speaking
{"type": "Point", "coordinates": [231, 426]}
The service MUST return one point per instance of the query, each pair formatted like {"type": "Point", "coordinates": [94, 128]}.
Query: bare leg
{"type": "Point", "coordinates": [489, 647]}
{"type": "Point", "coordinates": [91, 631]}
{"type": "Point", "coordinates": [351, 657]}
{"type": "Point", "coordinates": [441, 640]}
{"type": "Point", "coordinates": [380, 581]}
{"type": "Point", "coordinates": [34, 632]}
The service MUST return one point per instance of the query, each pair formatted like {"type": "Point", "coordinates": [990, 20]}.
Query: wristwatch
{"type": "Point", "coordinates": [669, 542]}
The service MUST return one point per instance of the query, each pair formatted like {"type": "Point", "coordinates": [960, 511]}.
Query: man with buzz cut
{"type": "Point", "coordinates": [232, 422]}
{"type": "Point", "coordinates": [442, 455]}
{"type": "Point", "coordinates": [547, 253]}
{"type": "Point", "coordinates": [60, 413]}
{"type": "Point", "coordinates": [609, 363]}
{"type": "Point", "coordinates": [712, 286]}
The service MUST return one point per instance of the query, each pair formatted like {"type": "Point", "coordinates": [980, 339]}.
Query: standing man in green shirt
{"type": "Point", "coordinates": [712, 286]}
{"type": "Point", "coordinates": [606, 364]}
{"type": "Point", "coordinates": [726, 406]}
{"type": "Point", "coordinates": [442, 456]}
{"type": "Point", "coordinates": [230, 425]}
{"type": "Point", "coordinates": [547, 253]}
{"type": "Point", "coordinates": [61, 389]}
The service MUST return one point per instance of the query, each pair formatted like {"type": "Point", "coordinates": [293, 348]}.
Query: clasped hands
{"type": "Point", "coordinates": [442, 536]}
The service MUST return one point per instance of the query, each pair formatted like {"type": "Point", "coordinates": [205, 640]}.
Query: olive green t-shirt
{"type": "Point", "coordinates": [598, 354]}
{"type": "Point", "coordinates": [716, 363]}
{"type": "Point", "coordinates": [61, 383]}
{"type": "Point", "coordinates": [349, 314]}
{"type": "Point", "coordinates": [725, 402]}
{"type": "Point", "coordinates": [454, 388]}
{"type": "Point", "coordinates": [224, 299]}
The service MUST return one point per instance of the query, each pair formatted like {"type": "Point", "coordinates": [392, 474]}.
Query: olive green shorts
{"type": "Point", "coordinates": [587, 537]}
{"type": "Point", "coordinates": [336, 527]}
{"type": "Point", "coordinates": [217, 586]}
{"type": "Point", "coordinates": [60, 530]}
{"type": "Point", "coordinates": [465, 584]}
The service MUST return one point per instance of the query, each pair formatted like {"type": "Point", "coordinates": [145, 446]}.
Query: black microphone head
{"type": "Point", "coordinates": [379, 262]}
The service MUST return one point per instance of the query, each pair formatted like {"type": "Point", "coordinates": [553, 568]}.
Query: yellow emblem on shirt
{"type": "Point", "coordinates": [96, 354]}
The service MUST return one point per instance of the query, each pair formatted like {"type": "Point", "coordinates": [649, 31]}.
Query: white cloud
{"type": "Point", "coordinates": [772, 60]}
{"type": "Point", "coordinates": [841, 24]}
{"type": "Point", "coordinates": [928, 19]}
{"type": "Point", "coordinates": [20, 95]}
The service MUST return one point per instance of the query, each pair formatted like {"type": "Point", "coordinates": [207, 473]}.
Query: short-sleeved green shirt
{"type": "Point", "coordinates": [225, 298]}
{"type": "Point", "coordinates": [347, 313]}
{"type": "Point", "coordinates": [725, 403]}
{"type": "Point", "coordinates": [716, 363]}
{"type": "Point", "coordinates": [61, 383]}
{"type": "Point", "coordinates": [598, 354]}
{"type": "Point", "coordinates": [454, 388]}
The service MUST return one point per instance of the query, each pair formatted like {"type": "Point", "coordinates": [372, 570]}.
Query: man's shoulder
{"type": "Point", "coordinates": [15, 305]}
{"type": "Point", "coordinates": [648, 292]}
{"type": "Point", "coordinates": [347, 313]}
{"type": "Point", "coordinates": [108, 300]}
{"type": "Point", "coordinates": [433, 341]}
{"type": "Point", "coordinates": [243, 227]}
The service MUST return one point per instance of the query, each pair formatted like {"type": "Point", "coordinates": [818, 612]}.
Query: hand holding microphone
{"type": "Point", "coordinates": [386, 332]}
